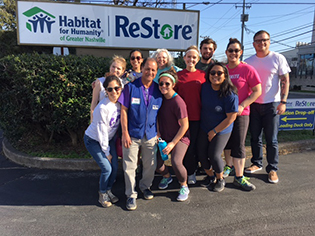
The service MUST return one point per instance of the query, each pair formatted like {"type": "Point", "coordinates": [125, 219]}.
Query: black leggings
{"type": "Point", "coordinates": [191, 159]}
{"type": "Point", "coordinates": [210, 152]}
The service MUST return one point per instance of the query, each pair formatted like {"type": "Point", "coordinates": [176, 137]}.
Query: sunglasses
{"type": "Point", "coordinates": [109, 89]}
{"type": "Point", "coordinates": [133, 58]}
{"type": "Point", "coordinates": [219, 73]}
{"type": "Point", "coordinates": [235, 50]}
{"type": "Point", "coordinates": [167, 84]}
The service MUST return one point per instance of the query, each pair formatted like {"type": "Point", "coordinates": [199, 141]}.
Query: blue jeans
{"type": "Point", "coordinates": [108, 170]}
{"type": "Point", "coordinates": [264, 118]}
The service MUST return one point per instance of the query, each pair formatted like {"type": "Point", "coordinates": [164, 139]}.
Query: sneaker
{"type": "Point", "coordinates": [131, 204]}
{"type": "Point", "coordinates": [252, 169]}
{"type": "Point", "coordinates": [244, 183]}
{"type": "Point", "coordinates": [147, 194]}
{"type": "Point", "coordinates": [112, 197]}
{"type": "Point", "coordinates": [183, 194]}
{"type": "Point", "coordinates": [228, 171]}
{"type": "Point", "coordinates": [273, 177]}
{"type": "Point", "coordinates": [207, 181]}
{"type": "Point", "coordinates": [192, 179]}
{"type": "Point", "coordinates": [219, 186]}
{"type": "Point", "coordinates": [104, 200]}
{"type": "Point", "coordinates": [165, 182]}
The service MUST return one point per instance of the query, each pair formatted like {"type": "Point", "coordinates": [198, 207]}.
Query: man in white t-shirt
{"type": "Point", "coordinates": [273, 70]}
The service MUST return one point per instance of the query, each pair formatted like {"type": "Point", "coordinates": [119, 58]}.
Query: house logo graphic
{"type": "Point", "coordinates": [167, 31]}
{"type": "Point", "coordinates": [39, 20]}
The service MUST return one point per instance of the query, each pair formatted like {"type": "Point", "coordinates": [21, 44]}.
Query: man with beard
{"type": "Point", "coordinates": [207, 49]}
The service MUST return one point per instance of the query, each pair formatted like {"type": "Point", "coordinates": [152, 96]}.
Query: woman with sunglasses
{"type": "Point", "coordinates": [248, 83]}
{"type": "Point", "coordinates": [173, 125]}
{"type": "Point", "coordinates": [188, 87]}
{"type": "Point", "coordinates": [219, 110]}
{"type": "Point", "coordinates": [165, 62]}
{"type": "Point", "coordinates": [136, 59]}
{"type": "Point", "coordinates": [99, 138]}
{"type": "Point", "coordinates": [117, 67]}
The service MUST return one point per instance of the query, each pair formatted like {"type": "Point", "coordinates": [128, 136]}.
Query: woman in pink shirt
{"type": "Point", "coordinates": [248, 83]}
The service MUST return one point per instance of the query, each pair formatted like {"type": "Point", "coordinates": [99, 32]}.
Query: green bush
{"type": "Point", "coordinates": [47, 95]}
{"type": "Point", "coordinates": [8, 45]}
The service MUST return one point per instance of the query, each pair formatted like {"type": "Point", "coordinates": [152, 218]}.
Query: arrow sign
{"type": "Point", "coordinates": [285, 119]}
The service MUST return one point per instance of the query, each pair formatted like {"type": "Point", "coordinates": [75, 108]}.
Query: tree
{"type": "Point", "coordinates": [8, 15]}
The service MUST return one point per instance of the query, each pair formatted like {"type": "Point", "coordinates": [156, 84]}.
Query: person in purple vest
{"type": "Point", "coordinates": [141, 101]}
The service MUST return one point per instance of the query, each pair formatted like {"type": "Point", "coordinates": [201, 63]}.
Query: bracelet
{"type": "Point", "coordinates": [283, 102]}
{"type": "Point", "coordinates": [214, 131]}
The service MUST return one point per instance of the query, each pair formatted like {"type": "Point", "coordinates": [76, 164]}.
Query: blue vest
{"type": "Point", "coordinates": [141, 118]}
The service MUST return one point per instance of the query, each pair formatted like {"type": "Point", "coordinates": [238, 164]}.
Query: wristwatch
{"type": "Point", "coordinates": [283, 102]}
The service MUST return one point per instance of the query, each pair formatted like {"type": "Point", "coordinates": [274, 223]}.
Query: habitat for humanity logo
{"type": "Point", "coordinates": [39, 18]}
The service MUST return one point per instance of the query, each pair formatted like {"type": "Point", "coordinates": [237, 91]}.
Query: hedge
{"type": "Point", "coordinates": [47, 95]}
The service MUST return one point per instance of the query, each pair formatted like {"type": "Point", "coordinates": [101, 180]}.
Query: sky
{"type": "Point", "coordinates": [286, 23]}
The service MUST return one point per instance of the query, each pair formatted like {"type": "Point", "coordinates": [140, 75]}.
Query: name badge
{"type": "Point", "coordinates": [155, 107]}
{"type": "Point", "coordinates": [135, 101]}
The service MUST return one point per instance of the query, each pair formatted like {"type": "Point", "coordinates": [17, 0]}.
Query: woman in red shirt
{"type": "Point", "coordinates": [188, 87]}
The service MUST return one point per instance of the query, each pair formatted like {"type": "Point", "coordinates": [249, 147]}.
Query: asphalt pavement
{"type": "Point", "coordinates": [60, 202]}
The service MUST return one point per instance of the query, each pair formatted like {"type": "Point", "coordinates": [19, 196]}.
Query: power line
{"type": "Point", "coordinates": [217, 3]}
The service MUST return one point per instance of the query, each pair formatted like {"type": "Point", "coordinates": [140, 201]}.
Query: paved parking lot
{"type": "Point", "coordinates": [55, 202]}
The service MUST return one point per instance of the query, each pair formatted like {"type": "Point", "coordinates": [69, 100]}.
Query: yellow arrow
{"type": "Point", "coordinates": [286, 118]}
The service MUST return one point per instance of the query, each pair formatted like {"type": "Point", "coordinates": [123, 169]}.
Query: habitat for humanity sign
{"type": "Point", "coordinates": [66, 24]}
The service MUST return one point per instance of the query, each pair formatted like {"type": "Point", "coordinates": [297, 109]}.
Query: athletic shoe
{"type": "Point", "coordinates": [165, 182]}
{"type": "Point", "coordinates": [244, 183]}
{"type": "Point", "coordinates": [183, 194]}
{"type": "Point", "coordinates": [219, 186]}
{"type": "Point", "coordinates": [273, 177]}
{"type": "Point", "coordinates": [252, 169]}
{"type": "Point", "coordinates": [207, 181]}
{"type": "Point", "coordinates": [147, 194]}
{"type": "Point", "coordinates": [131, 204]}
{"type": "Point", "coordinates": [112, 197]}
{"type": "Point", "coordinates": [228, 171]}
{"type": "Point", "coordinates": [192, 179]}
{"type": "Point", "coordinates": [104, 200]}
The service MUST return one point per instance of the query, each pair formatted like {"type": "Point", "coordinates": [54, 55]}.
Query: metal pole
{"type": "Point", "coordinates": [243, 26]}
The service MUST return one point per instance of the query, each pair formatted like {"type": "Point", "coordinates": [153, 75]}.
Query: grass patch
{"type": "Point", "coordinates": [34, 146]}
{"type": "Point", "coordinates": [303, 91]}
{"type": "Point", "coordinates": [288, 136]}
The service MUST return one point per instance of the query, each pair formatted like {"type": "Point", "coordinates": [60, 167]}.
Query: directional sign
{"type": "Point", "coordinates": [299, 115]}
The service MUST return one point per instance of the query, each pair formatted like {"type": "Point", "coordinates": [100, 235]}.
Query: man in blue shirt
{"type": "Point", "coordinates": [140, 101]}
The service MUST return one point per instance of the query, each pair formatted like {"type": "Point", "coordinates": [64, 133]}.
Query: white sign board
{"type": "Point", "coordinates": [90, 25]}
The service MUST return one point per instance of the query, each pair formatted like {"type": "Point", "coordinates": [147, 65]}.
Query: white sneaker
{"type": "Point", "coordinates": [183, 194]}
{"type": "Point", "coordinates": [192, 179]}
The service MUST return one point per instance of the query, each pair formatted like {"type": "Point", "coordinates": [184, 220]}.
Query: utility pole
{"type": "Point", "coordinates": [244, 18]}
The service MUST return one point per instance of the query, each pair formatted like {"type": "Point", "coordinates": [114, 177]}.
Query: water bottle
{"type": "Point", "coordinates": [162, 144]}
{"type": "Point", "coordinates": [131, 77]}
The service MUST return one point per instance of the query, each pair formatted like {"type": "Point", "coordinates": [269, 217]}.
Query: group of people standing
{"type": "Point", "coordinates": [200, 111]}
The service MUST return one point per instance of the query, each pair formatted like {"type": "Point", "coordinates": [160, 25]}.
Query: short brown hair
{"type": "Point", "coordinates": [208, 41]}
{"type": "Point", "coordinates": [261, 32]}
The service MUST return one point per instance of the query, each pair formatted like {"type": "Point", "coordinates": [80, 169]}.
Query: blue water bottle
{"type": "Point", "coordinates": [162, 144]}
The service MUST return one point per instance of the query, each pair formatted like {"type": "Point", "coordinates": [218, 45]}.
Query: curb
{"type": "Point", "coordinates": [46, 162]}
{"type": "Point", "coordinates": [85, 164]}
